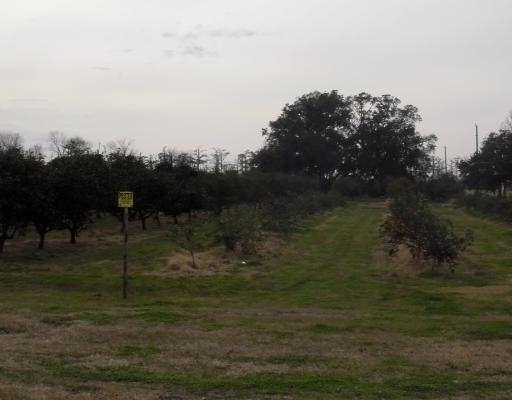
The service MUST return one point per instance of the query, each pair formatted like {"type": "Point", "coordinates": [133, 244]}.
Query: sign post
{"type": "Point", "coordinates": [125, 201]}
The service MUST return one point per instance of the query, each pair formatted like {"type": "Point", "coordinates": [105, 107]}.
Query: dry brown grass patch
{"type": "Point", "coordinates": [210, 262]}
{"type": "Point", "coordinates": [477, 356]}
{"type": "Point", "coordinates": [402, 262]}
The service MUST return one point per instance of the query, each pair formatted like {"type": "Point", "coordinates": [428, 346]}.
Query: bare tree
{"type": "Point", "coordinates": [9, 140]}
{"type": "Point", "coordinates": [219, 156]}
{"type": "Point", "coordinates": [168, 158]}
{"type": "Point", "coordinates": [244, 161]}
{"type": "Point", "coordinates": [121, 146]}
{"type": "Point", "coordinates": [57, 143]}
{"type": "Point", "coordinates": [199, 158]}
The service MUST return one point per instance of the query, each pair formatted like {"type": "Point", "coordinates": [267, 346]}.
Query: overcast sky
{"type": "Point", "coordinates": [213, 73]}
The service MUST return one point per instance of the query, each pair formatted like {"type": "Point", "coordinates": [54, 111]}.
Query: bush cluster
{"type": "Point", "coordinates": [242, 226]}
{"type": "Point", "coordinates": [500, 207]}
{"type": "Point", "coordinates": [441, 187]}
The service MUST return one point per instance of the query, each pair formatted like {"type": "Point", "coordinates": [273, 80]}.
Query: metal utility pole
{"type": "Point", "coordinates": [445, 161]}
{"type": "Point", "coordinates": [476, 138]}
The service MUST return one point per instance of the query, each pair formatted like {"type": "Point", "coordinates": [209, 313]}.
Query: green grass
{"type": "Point", "coordinates": [329, 317]}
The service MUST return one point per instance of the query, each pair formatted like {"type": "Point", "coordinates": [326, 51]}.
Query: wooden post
{"type": "Point", "coordinates": [125, 255]}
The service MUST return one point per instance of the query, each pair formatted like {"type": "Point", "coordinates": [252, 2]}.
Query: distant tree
{"type": "Point", "coordinates": [76, 146]}
{"type": "Point", "coordinates": [384, 142]}
{"type": "Point", "coordinates": [181, 191]}
{"type": "Point", "coordinates": [56, 141]}
{"type": "Point", "coordinates": [167, 159]}
{"type": "Point", "coordinates": [130, 172]}
{"type": "Point", "coordinates": [308, 137]}
{"type": "Point", "coordinates": [78, 179]}
{"type": "Point", "coordinates": [18, 180]}
{"type": "Point", "coordinates": [490, 168]}
{"type": "Point", "coordinates": [120, 146]}
{"type": "Point", "coordinates": [150, 191]}
{"type": "Point", "coordinates": [507, 123]}
{"type": "Point", "coordinates": [244, 161]}
{"type": "Point", "coordinates": [329, 135]}
{"type": "Point", "coordinates": [10, 141]}
{"type": "Point", "coordinates": [221, 190]}
{"type": "Point", "coordinates": [42, 206]}
{"type": "Point", "coordinates": [199, 158]}
{"type": "Point", "coordinates": [219, 157]}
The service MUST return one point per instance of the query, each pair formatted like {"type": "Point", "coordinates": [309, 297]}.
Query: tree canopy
{"type": "Point", "coordinates": [491, 167]}
{"type": "Point", "coordinates": [329, 135]}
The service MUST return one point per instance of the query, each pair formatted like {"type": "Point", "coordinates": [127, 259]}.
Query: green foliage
{"type": "Point", "coordinates": [281, 215]}
{"type": "Point", "coordinates": [491, 167]}
{"type": "Point", "coordinates": [499, 207]}
{"type": "Point", "coordinates": [350, 186]}
{"type": "Point", "coordinates": [77, 180]}
{"type": "Point", "coordinates": [428, 237]}
{"type": "Point", "coordinates": [286, 214]}
{"type": "Point", "coordinates": [442, 187]}
{"type": "Point", "coordinates": [329, 200]}
{"type": "Point", "coordinates": [191, 235]}
{"type": "Point", "coordinates": [327, 135]}
{"type": "Point", "coordinates": [19, 172]}
{"type": "Point", "coordinates": [240, 227]}
{"type": "Point", "coordinates": [328, 289]}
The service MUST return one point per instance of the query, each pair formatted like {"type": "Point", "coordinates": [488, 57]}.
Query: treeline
{"type": "Point", "coordinates": [80, 184]}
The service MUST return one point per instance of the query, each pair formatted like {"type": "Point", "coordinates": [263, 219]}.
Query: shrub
{"type": "Point", "coordinates": [330, 200]}
{"type": "Point", "coordinates": [281, 215]}
{"type": "Point", "coordinates": [401, 186]}
{"type": "Point", "coordinates": [306, 204]}
{"type": "Point", "coordinates": [442, 187]}
{"type": "Point", "coordinates": [350, 186]}
{"type": "Point", "coordinates": [487, 204]}
{"type": "Point", "coordinates": [427, 237]}
{"type": "Point", "coordinates": [315, 202]}
{"type": "Point", "coordinates": [261, 187]}
{"type": "Point", "coordinates": [240, 228]}
{"type": "Point", "coordinates": [191, 235]}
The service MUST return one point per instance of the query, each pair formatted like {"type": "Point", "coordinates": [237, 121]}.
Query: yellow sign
{"type": "Point", "coordinates": [125, 199]}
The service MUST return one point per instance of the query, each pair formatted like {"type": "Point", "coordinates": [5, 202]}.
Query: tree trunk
{"type": "Point", "coordinates": [72, 239]}
{"type": "Point", "coordinates": [2, 242]}
{"type": "Point", "coordinates": [193, 259]}
{"type": "Point", "coordinates": [175, 218]}
{"type": "Point", "coordinates": [143, 223]}
{"type": "Point", "coordinates": [42, 235]}
{"type": "Point", "coordinates": [157, 220]}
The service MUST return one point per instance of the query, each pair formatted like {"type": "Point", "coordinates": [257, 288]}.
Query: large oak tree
{"type": "Point", "coordinates": [329, 135]}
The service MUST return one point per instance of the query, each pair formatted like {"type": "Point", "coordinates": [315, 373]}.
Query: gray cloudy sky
{"type": "Point", "coordinates": [213, 73]}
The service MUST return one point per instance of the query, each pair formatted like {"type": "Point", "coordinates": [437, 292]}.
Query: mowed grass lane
{"type": "Point", "coordinates": [327, 317]}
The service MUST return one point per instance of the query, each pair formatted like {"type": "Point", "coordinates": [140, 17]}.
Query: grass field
{"type": "Point", "coordinates": [324, 316]}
